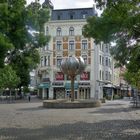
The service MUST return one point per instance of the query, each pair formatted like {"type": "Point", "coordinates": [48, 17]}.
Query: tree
{"type": "Point", "coordinates": [18, 47]}
{"type": "Point", "coordinates": [8, 78]}
{"type": "Point", "coordinates": [119, 23]}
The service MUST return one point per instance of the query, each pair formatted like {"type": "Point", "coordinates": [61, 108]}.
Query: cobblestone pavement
{"type": "Point", "coordinates": [114, 120]}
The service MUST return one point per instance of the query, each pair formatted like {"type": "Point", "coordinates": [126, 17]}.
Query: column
{"type": "Point", "coordinates": [50, 93]}
{"type": "Point", "coordinates": [43, 93]}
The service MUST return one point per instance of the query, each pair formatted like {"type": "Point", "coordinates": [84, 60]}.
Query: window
{"type": "Point", "coordinates": [59, 59]}
{"type": "Point", "coordinates": [58, 17]}
{"type": "Point", "coordinates": [41, 61]}
{"type": "Point", "coordinates": [58, 31]}
{"type": "Point", "coordinates": [45, 61]}
{"type": "Point", "coordinates": [100, 75]}
{"type": "Point", "coordinates": [106, 61]}
{"type": "Point", "coordinates": [85, 58]}
{"type": "Point", "coordinates": [47, 30]}
{"type": "Point", "coordinates": [84, 44]}
{"type": "Point", "coordinates": [71, 45]}
{"type": "Point", "coordinates": [106, 75]}
{"type": "Point", "coordinates": [106, 49]}
{"type": "Point", "coordinates": [109, 63]}
{"type": "Point", "coordinates": [46, 47]}
{"type": "Point", "coordinates": [71, 31]}
{"type": "Point", "coordinates": [100, 59]}
{"type": "Point", "coordinates": [71, 16]}
{"type": "Point", "coordinates": [58, 45]}
{"type": "Point", "coordinates": [109, 76]}
{"type": "Point", "coordinates": [102, 47]}
{"type": "Point", "coordinates": [48, 60]}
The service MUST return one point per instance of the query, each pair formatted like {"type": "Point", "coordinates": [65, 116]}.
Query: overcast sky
{"type": "Point", "coordinates": [62, 4]}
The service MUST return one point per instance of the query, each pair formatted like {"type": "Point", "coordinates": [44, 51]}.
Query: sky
{"type": "Point", "coordinates": [62, 4]}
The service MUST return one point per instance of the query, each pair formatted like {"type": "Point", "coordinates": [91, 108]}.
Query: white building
{"type": "Point", "coordinates": [65, 28]}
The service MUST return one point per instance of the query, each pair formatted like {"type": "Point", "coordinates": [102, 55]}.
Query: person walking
{"type": "Point", "coordinates": [29, 97]}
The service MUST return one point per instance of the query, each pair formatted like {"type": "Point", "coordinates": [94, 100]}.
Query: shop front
{"type": "Point", "coordinates": [43, 90]}
{"type": "Point", "coordinates": [58, 86]}
{"type": "Point", "coordinates": [84, 86]}
{"type": "Point", "coordinates": [58, 90]}
{"type": "Point", "coordinates": [84, 90]}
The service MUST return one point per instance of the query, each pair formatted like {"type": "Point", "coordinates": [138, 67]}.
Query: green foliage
{"type": "Point", "coordinates": [133, 78]}
{"type": "Point", "coordinates": [37, 16]}
{"type": "Point", "coordinates": [17, 45]}
{"type": "Point", "coordinates": [119, 23]}
{"type": "Point", "coordinates": [8, 78]}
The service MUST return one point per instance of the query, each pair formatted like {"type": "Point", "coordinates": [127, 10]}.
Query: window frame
{"type": "Point", "coordinates": [58, 45]}
{"type": "Point", "coordinates": [58, 31]}
{"type": "Point", "coordinates": [71, 45]}
{"type": "Point", "coordinates": [71, 31]}
{"type": "Point", "coordinates": [84, 44]}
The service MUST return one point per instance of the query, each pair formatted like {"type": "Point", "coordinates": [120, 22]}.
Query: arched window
{"type": "Point", "coordinates": [58, 31]}
{"type": "Point", "coordinates": [71, 31]}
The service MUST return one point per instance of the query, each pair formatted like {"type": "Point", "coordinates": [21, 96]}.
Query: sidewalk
{"type": "Point", "coordinates": [23, 100]}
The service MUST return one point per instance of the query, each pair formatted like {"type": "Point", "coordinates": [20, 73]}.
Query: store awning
{"type": "Point", "coordinates": [109, 85]}
{"type": "Point", "coordinates": [44, 85]}
{"type": "Point", "coordinates": [68, 85]}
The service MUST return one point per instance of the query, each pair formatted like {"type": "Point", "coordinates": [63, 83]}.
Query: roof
{"type": "Point", "coordinates": [70, 14]}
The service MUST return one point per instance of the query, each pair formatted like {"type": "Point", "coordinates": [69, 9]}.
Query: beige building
{"type": "Point", "coordinates": [65, 28]}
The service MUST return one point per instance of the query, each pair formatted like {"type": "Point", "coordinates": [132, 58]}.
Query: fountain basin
{"type": "Point", "coordinates": [68, 104]}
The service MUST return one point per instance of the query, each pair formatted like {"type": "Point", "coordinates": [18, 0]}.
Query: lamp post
{"type": "Point", "coordinates": [72, 66]}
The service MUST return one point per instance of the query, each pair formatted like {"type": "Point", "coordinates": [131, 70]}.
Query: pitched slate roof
{"type": "Point", "coordinates": [69, 14]}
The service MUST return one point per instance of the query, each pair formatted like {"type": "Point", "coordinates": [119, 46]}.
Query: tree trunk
{"type": "Point", "coordinates": [72, 88]}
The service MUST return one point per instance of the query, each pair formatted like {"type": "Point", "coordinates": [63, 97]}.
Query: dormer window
{"type": "Point", "coordinates": [71, 16]}
{"type": "Point", "coordinates": [84, 16]}
{"type": "Point", "coordinates": [58, 17]}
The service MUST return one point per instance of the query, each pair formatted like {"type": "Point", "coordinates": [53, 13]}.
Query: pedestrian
{"type": "Point", "coordinates": [29, 97]}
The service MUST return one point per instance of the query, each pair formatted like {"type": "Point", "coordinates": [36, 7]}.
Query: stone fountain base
{"type": "Point", "coordinates": [68, 104]}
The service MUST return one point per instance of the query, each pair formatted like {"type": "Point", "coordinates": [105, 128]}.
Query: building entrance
{"type": "Point", "coordinates": [84, 93]}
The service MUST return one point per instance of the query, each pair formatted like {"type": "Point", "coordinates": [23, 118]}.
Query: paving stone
{"type": "Point", "coordinates": [114, 120]}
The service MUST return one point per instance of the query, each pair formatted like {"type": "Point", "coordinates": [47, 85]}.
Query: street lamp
{"type": "Point", "coordinates": [72, 66]}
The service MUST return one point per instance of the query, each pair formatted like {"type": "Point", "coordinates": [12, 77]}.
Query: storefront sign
{"type": "Point", "coordinates": [84, 84]}
{"type": "Point", "coordinates": [85, 76]}
{"type": "Point", "coordinates": [45, 80]}
{"type": "Point", "coordinates": [59, 76]}
{"type": "Point", "coordinates": [44, 85]}
{"type": "Point", "coordinates": [57, 84]}
{"type": "Point", "coordinates": [68, 86]}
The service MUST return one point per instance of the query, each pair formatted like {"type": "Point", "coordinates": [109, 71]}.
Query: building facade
{"type": "Point", "coordinates": [65, 28]}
